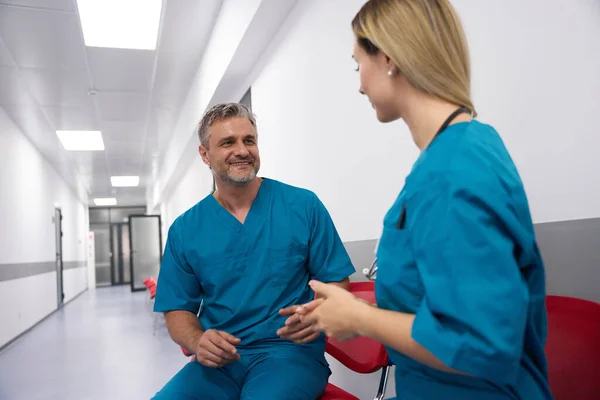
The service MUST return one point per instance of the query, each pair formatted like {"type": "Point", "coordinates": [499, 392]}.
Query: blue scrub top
{"type": "Point", "coordinates": [245, 273]}
{"type": "Point", "coordinates": [466, 263]}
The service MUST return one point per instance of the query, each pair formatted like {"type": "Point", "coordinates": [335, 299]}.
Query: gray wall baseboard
{"type": "Point", "coordinates": [571, 253]}
{"type": "Point", "coordinates": [16, 271]}
{"type": "Point", "coordinates": [570, 249]}
{"type": "Point", "coordinates": [74, 264]}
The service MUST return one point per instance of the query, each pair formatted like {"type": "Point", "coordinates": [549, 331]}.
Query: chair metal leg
{"type": "Point", "coordinates": [154, 324]}
{"type": "Point", "coordinates": [385, 372]}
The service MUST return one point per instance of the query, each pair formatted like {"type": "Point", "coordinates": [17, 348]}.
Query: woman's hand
{"type": "Point", "coordinates": [336, 312]}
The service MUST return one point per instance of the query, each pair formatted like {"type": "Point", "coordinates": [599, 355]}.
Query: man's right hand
{"type": "Point", "coordinates": [216, 349]}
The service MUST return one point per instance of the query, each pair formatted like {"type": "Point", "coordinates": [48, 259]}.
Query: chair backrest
{"type": "Point", "coordinates": [361, 354]}
{"type": "Point", "coordinates": [573, 348]}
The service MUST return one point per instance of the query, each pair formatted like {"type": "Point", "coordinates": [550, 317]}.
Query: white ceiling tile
{"type": "Point", "coordinates": [125, 166]}
{"type": "Point", "coordinates": [5, 57]}
{"type": "Point", "coordinates": [43, 39]}
{"type": "Point", "coordinates": [122, 106]}
{"type": "Point", "coordinates": [72, 118]}
{"type": "Point", "coordinates": [63, 5]}
{"type": "Point", "coordinates": [13, 90]}
{"type": "Point", "coordinates": [57, 87]}
{"type": "Point", "coordinates": [187, 25]}
{"type": "Point", "coordinates": [122, 131]}
{"type": "Point", "coordinates": [173, 78]}
{"type": "Point", "coordinates": [123, 150]}
{"type": "Point", "coordinates": [121, 70]}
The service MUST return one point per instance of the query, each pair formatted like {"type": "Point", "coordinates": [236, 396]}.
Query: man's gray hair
{"type": "Point", "coordinates": [220, 112]}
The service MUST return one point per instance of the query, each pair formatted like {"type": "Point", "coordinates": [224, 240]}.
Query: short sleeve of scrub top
{"type": "Point", "coordinates": [474, 312]}
{"type": "Point", "coordinates": [179, 287]}
{"type": "Point", "coordinates": [328, 260]}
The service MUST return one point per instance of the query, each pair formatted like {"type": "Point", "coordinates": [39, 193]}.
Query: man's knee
{"type": "Point", "coordinates": [293, 378]}
{"type": "Point", "coordinates": [196, 382]}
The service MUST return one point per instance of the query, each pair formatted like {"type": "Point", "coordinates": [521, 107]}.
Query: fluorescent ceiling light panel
{"type": "Point", "coordinates": [125, 181]}
{"type": "Point", "coordinates": [81, 140]}
{"type": "Point", "coordinates": [121, 24]}
{"type": "Point", "coordinates": [105, 201]}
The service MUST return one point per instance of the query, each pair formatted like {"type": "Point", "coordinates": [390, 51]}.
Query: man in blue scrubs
{"type": "Point", "coordinates": [246, 254]}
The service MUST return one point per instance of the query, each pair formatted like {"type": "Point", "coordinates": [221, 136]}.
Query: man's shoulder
{"type": "Point", "coordinates": [192, 216]}
{"type": "Point", "coordinates": [292, 191]}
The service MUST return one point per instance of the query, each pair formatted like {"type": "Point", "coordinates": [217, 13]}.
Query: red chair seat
{"type": "Point", "coordinates": [573, 348]}
{"type": "Point", "coordinates": [333, 392]}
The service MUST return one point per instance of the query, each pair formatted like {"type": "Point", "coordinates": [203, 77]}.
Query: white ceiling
{"type": "Point", "coordinates": [47, 73]}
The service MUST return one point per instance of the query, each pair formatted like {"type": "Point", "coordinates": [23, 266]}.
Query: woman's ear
{"type": "Point", "coordinates": [391, 68]}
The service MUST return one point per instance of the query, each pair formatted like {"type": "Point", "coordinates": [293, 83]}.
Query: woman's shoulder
{"type": "Point", "coordinates": [469, 155]}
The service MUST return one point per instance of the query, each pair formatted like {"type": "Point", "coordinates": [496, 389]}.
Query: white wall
{"type": "Point", "coordinates": [193, 187]}
{"type": "Point", "coordinates": [31, 189]}
{"type": "Point", "coordinates": [318, 132]}
{"type": "Point", "coordinates": [535, 78]}
{"type": "Point", "coordinates": [24, 302]}
{"type": "Point", "coordinates": [74, 282]}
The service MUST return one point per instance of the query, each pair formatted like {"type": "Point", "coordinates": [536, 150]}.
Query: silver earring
{"type": "Point", "coordinates": [390, 72]}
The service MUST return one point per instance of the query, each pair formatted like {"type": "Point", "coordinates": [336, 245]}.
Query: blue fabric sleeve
{"type": "Point", "coordinates": [473, 314]}
{"type": "Point", "coordinates": [328, 260]}
{"type": "Point", "coordinates": [177, 287]}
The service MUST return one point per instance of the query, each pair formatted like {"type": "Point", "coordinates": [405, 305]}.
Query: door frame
{"type": "Point", "coordinates": [160, 250]}
{"type": "Point", "coordinates": [58, 257]}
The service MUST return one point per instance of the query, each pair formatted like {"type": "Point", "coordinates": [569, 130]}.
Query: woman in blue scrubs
{"type": "Point", "coordinates": [460, 283]}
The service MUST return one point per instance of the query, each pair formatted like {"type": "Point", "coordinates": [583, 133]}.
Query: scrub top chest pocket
{"type": "Point", "coordinates": [399, 283]}
{"type": "Point", "coordinates": [218, 273]}
{"type": "Point", "coordinates": [286, 264]}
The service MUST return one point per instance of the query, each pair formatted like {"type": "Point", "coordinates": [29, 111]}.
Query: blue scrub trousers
{"type": "Point", "coordinates": [263, 376]}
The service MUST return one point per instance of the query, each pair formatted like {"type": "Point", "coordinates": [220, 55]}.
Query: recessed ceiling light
{"type": "Point", "coordinates": [121, 24]}
{"type": "Point", "coordinates": [125, 181]}
{"type": "Point", "coordinates": [81, 140]}
{"type": "Point", "coordinates": [105, 201]}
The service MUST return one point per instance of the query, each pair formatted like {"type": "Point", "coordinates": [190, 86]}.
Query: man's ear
{"type": "Point", "coordinates": [204, 154]}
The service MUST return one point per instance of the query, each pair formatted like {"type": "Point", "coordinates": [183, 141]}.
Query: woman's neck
{"type": "Point", "coordinates": [426, 115]}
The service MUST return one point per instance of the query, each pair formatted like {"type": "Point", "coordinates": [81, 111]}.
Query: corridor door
{"type": "Point", "coordinates": [59, 259]}
{"type": "Point", "coordinates": [146, 248]}
{"type": "Point", "coordinates": [120, 257]}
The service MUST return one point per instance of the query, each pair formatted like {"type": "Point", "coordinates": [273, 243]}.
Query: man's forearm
{"type": "Point", "coordinates": [345, 284]}
{"type": "Point", "coordinates": [185, 328]}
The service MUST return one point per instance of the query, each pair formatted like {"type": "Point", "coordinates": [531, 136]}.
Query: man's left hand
{"type": "Point", "coordinates": [294, 329]}
{"type": "Point", "coordinates": [335, 312]}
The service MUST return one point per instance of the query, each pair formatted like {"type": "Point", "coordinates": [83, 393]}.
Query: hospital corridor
{"type": "Point", "coordinates": [299, 199]}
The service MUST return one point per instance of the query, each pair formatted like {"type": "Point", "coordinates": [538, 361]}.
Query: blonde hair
{"type": "Point", "coordinates": [425, 40]}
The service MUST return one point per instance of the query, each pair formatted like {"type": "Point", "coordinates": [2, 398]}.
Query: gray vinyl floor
{"type": "Point", "coordinates": [99, 346]}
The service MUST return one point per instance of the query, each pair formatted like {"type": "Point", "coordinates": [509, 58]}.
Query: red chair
{"type": "Point", "coordinates": [150, 283]}
{"type": "Point", "coordinates": [573, 348]}
{"type": "Point", "coordinates": [361, 355]}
